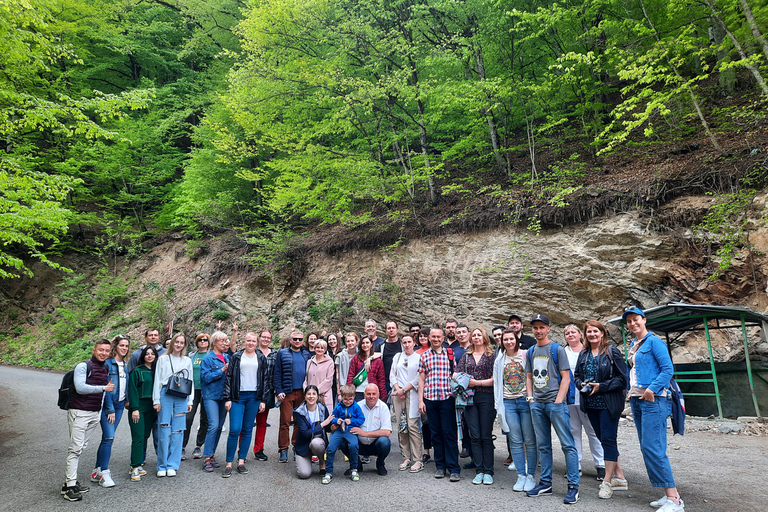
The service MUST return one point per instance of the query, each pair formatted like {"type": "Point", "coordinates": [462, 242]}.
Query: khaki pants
{"type": "Point", "coordinates": [410, 440]}
{"type": "Point", "coordinates": [81, 426]}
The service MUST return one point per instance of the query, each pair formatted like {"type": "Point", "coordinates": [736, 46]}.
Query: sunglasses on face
{"type": "Point", "coordinates": [297, 339]}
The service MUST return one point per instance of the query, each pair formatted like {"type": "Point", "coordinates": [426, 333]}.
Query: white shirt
{"type": "Point", "coordinates": [249, 372]}
{"type": "Point", "coordinates": [375, 419]}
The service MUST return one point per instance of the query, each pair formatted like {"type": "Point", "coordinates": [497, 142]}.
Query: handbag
{"type": "Point", "coordinates": [179, 385]}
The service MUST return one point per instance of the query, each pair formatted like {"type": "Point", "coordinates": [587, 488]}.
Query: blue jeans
{"type": "Point", "coordinates": [104, 452]}
{"type": "Point", "coordinates": [442, 424]}
{"type": "Point", "coordinates": [517, 412]}
{"type": "Point", "coordinates": [216, 414]}
{"type": "Point", "coordinates": [544, 417]}
{"type": "Point", "coordinates": [171, 423]}
{"type": "Point", "coordinates": [651, 422]}
{"type": "Point", "coordinates": [380, 448]}
{"type": "Point", "coordinates": [479, 418]}
{"type": "Point", "coordinates": [337, 440]}
{"type": "Point", "coordinates": [242, 416]}
{"type": "Point", "coordinates": [606, 429]}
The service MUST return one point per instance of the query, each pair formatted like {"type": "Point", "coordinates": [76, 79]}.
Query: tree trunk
{"type": "Point", "coordinates": [486, 113]}
{"type": "Point", "coordinates": [753, 26]}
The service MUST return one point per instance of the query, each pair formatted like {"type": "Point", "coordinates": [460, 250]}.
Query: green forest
{"type": "Point", "coordinates": [124, 119]}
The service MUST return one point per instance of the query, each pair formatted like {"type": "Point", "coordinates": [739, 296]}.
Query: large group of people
{"type": "Point", "coordinates": [441, 387]}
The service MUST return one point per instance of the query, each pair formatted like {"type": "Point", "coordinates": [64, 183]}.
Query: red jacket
{"type": "Point", "coordinates": [375, 376]}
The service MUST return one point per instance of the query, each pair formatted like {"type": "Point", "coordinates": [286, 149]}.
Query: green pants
{"type": "Point", "coordinates": [141, 430]}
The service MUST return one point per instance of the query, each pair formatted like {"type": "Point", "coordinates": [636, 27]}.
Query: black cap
{"type": "Point", "coordinates": [538, 317]}
{"type": "Point", "coordinates": [515, 317]}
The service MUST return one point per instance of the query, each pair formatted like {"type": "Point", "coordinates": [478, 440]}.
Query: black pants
{"type": "Point", "coordinates": [479, 418]}
{"type": "Point", "coordinates": [203, 429]}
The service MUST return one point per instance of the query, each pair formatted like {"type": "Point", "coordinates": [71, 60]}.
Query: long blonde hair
{"type": "Point", "coordinates": [487, 349]}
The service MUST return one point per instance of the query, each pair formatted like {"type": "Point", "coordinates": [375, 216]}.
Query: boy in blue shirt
{"type": "Point", "coordinates": [346, 415]}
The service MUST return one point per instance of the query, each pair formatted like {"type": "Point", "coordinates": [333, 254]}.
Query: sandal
{"type": "Point", "coordinates": [417, 466]}
{"type": "Point", "coordinates": [405, 465]}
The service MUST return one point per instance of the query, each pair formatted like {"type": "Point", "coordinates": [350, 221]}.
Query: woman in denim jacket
{"type": "Point", "coordinates": [650, 372]}
{"type": "Point", "coordinates": [213, 371]}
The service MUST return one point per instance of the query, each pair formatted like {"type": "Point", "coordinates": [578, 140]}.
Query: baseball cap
{"type": "Point", "coordinates": [632, 310]}
{"type": "Point", "coordinates": [538, 317]}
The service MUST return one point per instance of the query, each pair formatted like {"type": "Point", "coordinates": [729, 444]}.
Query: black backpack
{"type": "Point", "coordinates": [67, 388]}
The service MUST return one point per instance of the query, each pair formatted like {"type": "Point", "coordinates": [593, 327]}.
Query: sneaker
{"type": "Point", "coordinates": [572, 496]}
{"type": "Point", "coordinates": [214, 463]}
{"type": "Point", "coordinates": [530, 483]}
{"type": "Point", "coordinates": [161, 473]}
{"type": "Point", "coordinates": [348, 472]}
{"type": "Point", "coordinates": [207, 466]}
{"type": "Point", "coordinates": [655, 504]}
{"type": "Point", "coordinates": [142, 471]}
{"type": "Point", "coordinates": [227, 472]}
{"type": "Point", "coordinates": [600, 474]}
{"type": "Point", "coordinates": [284, 455]}
{"type": "Point", "coordinates": [605, 491]}
{"type": "Point", "coordinates": [106, 479]}
{"type": "Point", "coordinates": [171, 472]}
{"type": "Point", "coordinates": [540, 490]}
{"type": "Point", "coordinates": [197, 453]}
{"type": "Point", "coordinates": [242, 469]}
{"type": "Point", "coordinates": [327, 479]}
{"type": "Point", "coordinates": [71, 494]}
{"type": "Point", "coordinates": [315, 459]}
{"type": "Point", "coordinates": [77, 487]}
{"type": "Point", "coordinates": [464, 453]}
{"type": "Point", "coordinates": [135, 475]}
{"type": "Point", "coordinates": [478, 479]}
{"type": "Point", "coordinates": [183, 454]}
{"type": "Point", "coordinates": [355, 477]}
{"type": "Point", "coordinates": [365, 460]}
{"type": "Point", "coordinates": [671, 506]}
{"type": "Point", "coordinates": [455, 477]}
{"type": "Point", "coordinates": [511, 467]}
{"type": "Point", "coordinates": [96, 475]}
{"type": "Point", "coordinates": [487, 479]}
{"type": "Point", "coordinates": [440, 473]}
{"type": "Point", "coordinates": [617, 484]}
{"type": "Point", "coordinates": [261, 455]}
{"type": "Point", "coordinates": [520, 484]}
{"type": "Point", "coordinates": [382, 471]}
{"type": "Point", "coordinates": [426, 458]}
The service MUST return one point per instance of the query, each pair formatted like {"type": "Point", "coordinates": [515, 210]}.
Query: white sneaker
{"type": "Point", "coordinates": [96, 475]}
{"type": "Point", "coordinates": [520, 484]}
{"type": "Point", "coordinates": [605, 491]}
{"type": "Point", "coordinates": [659, 502]}
{"type": "Point", "coordinates": [142, 471]}
{"type": "Point", "coordinates": [106, 479]}
{"type": "Point", "coordinates": [671, 506]}
{"type": "Point", "coordinates": [171, 472]}
{"type": "Point", "coordinates": [530, 483]}
{"type": "Point", "coordinates": [161, 473]}
{"type": "Point", "coordinates": [617, 484]}
{"type": "Point", "coordinates": [135, 475]}
{"type": "Point", "coordinates": [511, 466]}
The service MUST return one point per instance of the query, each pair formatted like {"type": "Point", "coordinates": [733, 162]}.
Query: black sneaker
{"type": "Point", "coordinates": [426, 458]}
{"type": "Point", "coordinates": [242, 469]}
{"type": "Point", "coordinates": [77, 487]}
{"type": "Point", "coordinates": [183, 454]}
{"type": "Point", "coordinates": [470, 465]}
{"type": "Point", "coordinates": [365, 460]}
{"type": "Point", "coordinates": [197, 453]}
{"type": "Point", "coordinates": [600, 474]}
{"type": "Point", "coordinates": [227, 473]}
{"type": "Point", "coordinates": [261, 455]}
{"type": "Point", "coordinates": [382, 471]}
{"type": "Point", "coordinates": [71, 494]}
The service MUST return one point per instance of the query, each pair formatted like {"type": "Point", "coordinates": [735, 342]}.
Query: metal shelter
{"type": "Point", "coordinates": [677, 318]}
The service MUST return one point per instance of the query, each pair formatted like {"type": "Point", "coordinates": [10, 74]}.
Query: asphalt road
{"type": "Point", "coordinates": [714, 472]}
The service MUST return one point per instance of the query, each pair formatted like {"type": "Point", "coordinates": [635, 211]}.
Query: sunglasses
{"type": "Point", "coordinates": [297, 339]}
{"type": "Point", "coordinates": [203, 339]}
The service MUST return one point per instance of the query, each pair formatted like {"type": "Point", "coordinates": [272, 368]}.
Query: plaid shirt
{"type": "Point", "coordinates": [437, 370]}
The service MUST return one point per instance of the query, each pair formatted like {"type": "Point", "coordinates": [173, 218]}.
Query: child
{"type": "Point", "coordinates": [346, 415]}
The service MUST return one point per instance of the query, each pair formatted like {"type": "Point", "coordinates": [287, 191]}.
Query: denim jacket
{"type": "Point", "coordinates": [653, 366]}
{"type": "Point", "coordinates": [212, 376]}
{"type": "Point", "coordinates": [111, 398]}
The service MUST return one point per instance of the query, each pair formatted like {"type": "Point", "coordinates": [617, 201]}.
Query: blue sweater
{"type": "Point", "coordinates": [283, 373]}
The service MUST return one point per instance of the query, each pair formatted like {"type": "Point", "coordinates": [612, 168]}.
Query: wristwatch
{"type": "Point", "coordinates": [529, 399]}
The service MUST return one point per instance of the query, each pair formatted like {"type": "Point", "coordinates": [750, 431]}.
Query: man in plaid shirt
{"type": "Point", "coordinates": [436, 401]}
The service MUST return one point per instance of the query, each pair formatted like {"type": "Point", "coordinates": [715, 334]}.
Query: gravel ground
{"type": "Point", "coordinates": [718, 465]}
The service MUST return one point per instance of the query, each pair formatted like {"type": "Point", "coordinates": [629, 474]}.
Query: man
{"type": "Point", "coordinates": [459, 347]}
{"type": "Point", "coordinates": [289, 372]}
{"type": "Point", "coordinates": [547, 388]}
{"type": "Point", "coordinates": [151, 337]}
{"type": "Point", "coordinates": [388, 349]}
{"type": "Point", "coordinates": [91, 380]}
{"type": "Point", "coordinates": [373, 435]}
{"type": "Point", "coordinates": [414, 329]}
{"type": "Point", "coordinates": [497, 333]}
{"type": "Point", "coordinates": [436, 402]}
{"type": "Point", "coordinates": [370, 330]}
{"type": "Point", "coordinates": [516, 324]}
{"type": "Point", "coordinates": [450, 332]}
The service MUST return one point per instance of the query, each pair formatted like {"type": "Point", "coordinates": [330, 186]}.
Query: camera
{"type": "Point", "coordinates": [586, 388]}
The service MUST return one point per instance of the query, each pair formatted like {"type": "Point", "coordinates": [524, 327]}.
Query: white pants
{"type": "Point", "coordinates": [579, 419]}
{"type": "Point", "coordinates": [81, 426]}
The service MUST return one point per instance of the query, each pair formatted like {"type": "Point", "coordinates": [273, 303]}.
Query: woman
{"type": "Point", "coordinates": [333, 345]}
{"type": "Point", "coordinates": [477, 362]}
{"type": "Point", "coordinates": [602, 369]}
{"type": "Point", "coordinates": [312, 418]}
{"type": "Point", "coordinates": [310, 339]}
{"type": "Point", "coordinates": [213, 372]}
{"type": "Point", "coordinates": [333, 350]}
{"type": "Point", "coordinates": [404, 377]}
{"type": "Point", "coordinates": [113, 407]}
{"type": "Point", "coordinates": [650, 372]}
{"type": "Point", "coordinates": [268, 397]}
{"type": "Point", "coordinates": [171, 409]}
{"type": "Point", "coordinates": [319, 372]}
{"type": "Point", "coordinates": [578, 416]}
{"type": "Point", "coordinates": [202, 342]}
{"type": "Point", "coordinates": [513, 409]}
{"type": "Point", "coordinates": [423, 345]}
{"type": "Point", "coordinates": [243, 392]}
{"type": "Point", "coordinates": [344, 358]}
{"type": "Point", "coordinates": [426, 433]}
{"type": "Point", "coordinates": [374, 375]}
{"type": "Point", "coordinates": [140, 384]}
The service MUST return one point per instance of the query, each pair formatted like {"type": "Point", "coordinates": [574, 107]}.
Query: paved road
{"type": "Point", "coordinates": [714, 473]}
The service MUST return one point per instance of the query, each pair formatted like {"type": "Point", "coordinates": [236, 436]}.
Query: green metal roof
{"type": "Point", "coordinates": [678, 317]}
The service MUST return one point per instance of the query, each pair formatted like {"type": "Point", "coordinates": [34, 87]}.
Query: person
{"type": "Point", "coordinates": [140, 384]}
{"type": "Point", "coordinates": [333, 345]}
{"type": "Point", "coordinates": [513, 410]}
{"type": "Point", "coordinates": [243, 393]}
{"type": "Point", "coordinates": [310, 340]}
{"type": "Point", "coordinates": [423, 341]}
{"type": "Point", "coordinates": [426, 434]}
{"type": "Point", "coordinates": [151, 338]}
{"type": "Point", "coordinates": [202, 343]}
{"type": "Point", "coordinates": [414, 329]}
{"type": "Point", "coordinates": [650, 372]}
{"type": "Point", "coordinates": [91, 379]}
{"type": "Point", "coordinates": [312, 419]}
{"type": "Point", "coordinates": [268, 397]}
{"type": "Point", "coordinates": [435, 399]}
{"type": "Point", "coordinates": [290, 370]}
{"type": "Point", "coordinates": [496, 334]}
{"type": "Point", "coordinates": [213, 373]}
{"type": "Point", "coordinates": [459, 347]}
{"type": "Point", "coordinates": [602, 369]}
{"type": "Point", "coordinates": [320, 370]}
{"type": "Point", "coordinates": [344, 357]}
{"type": "Point", "coordinates": [346, 415]}
{"type": "Point", "coordinates": [370, 331]}
{"type": "Point", "coordinates": [450, 332]}
{"type": "Point", "coordinates": [477, 362]}
{"type": "Point", "coordinates": [113, 407]}
{"type": "Point", "coordinates": [374, 370]}
{"type": "Point", "coordinates": [388, 350]}
{"type": "Point", "coordinates": [373, 434]}
{"type": "Point", "coordinates": [171, 409]}
{"type": "Point", "coordinates": [515, 323]}
{"type": "Point", "coordinates": [547, 386]}
{"type": "Point", "coordinates": [578, 416]}
{"type": "Point", "coordinates": [404, 377]}
{"type": "Point", "coordinates": [333, 349]}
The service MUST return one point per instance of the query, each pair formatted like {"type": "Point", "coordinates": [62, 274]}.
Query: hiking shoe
{"type": "Point", "coordinates": [214, 463]}
{"type": "Point", "coordinates": [142, 471]}
{"type": "Point", "coordinates": [183, 454]}
{"type": "Point", "coordinates": [207, 466]}
{"type": "Point", "coordinates": [455, 477]}
{"type": "Point", "coordinates": [261, 456]}
{"type": "Point", "coordinates": [242, 469]}
{"type": "Point", "coordinates": [135, 475]}
{"type": "Point", "coordinates": [355, 477]}
{"type": "Point", "coordinates": [605, 491]}
{"type": "Point", "coordinates": [478, 479]}
{"type": "Point", "coordinates": [530, 483]}
{"type": "Point", "coordinates": [106, 479]}
{"type": "Point", "coordinates": [284, 455]}
{"type": "Point", "coordinates": [227, 472]}
{"type": "Point", "coordinates": [96, 475]}
{"type": "Point", "coordinates": [540, 490]}
{"type": "Point", "coordinates": [655, 504]}
{"type": "Point", "coordinates": [327, 479]}
{"type": "Point", "coordinates": [440, 473]}
{"type": "Point", "coordinates": [671, 506]}
{"type": "Point", "coordinates": [487, 479]}
{"type": "Point", "coordinates": [71, 494]}
{"type": "Point", "coordinates": [600, 474]}
{"type": "Point", "coordinates": [161, 473]}
{"type": "Point", "coordinates": [171, 472]}
{"type": "Point", "coordinates": [572, 496]}
{"type": "Point", "coordinates": [520, 484]}
{"type": "Point", "coordinates": [617, 484]}
{"type": "Point", "coordinates": [197, 453]}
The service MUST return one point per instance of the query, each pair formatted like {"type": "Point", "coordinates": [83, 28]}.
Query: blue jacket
{"type": "Point", "coordinates": [305, 430]}
{"type": "Point", "coordinates": [354, 412]}
{"type": "Point", "coordinates": [212, 376]}
{"type": "Point", "coordinates": [653, 366]}
{"type": "Point", "coordinates": [283, 372]}
{"type": "Point", "coordinates": [111, 397]}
